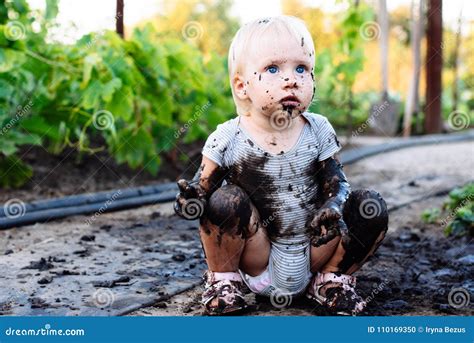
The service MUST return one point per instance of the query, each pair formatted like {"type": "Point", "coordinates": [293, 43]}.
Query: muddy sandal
{"type": "Point", "coordinates": [223, 293]}
{"type": "Point", "coordinates": [340, 295]}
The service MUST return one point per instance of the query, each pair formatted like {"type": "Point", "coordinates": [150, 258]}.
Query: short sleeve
{"type": "Point", "coordinates": [218, 143]}
{"type": "Point", "coordinates": [327, 138]}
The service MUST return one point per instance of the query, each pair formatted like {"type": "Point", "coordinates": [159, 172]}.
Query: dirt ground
{"type": "Point", "coordinates": [417, 267]}
{"type": "Point", "coordinates": [148, 262]}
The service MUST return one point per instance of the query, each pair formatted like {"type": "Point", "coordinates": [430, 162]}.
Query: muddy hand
{"type": "Point", "coordinates": [327, 225]}
{"type": "Point", "coordinates": [190, 201]}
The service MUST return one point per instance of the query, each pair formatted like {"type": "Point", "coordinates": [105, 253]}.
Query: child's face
{"type": "Point", "coordinates": [274, 72]}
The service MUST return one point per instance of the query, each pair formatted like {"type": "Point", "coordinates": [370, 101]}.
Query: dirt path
{"type": "Point", "coordinates": [116, 262]}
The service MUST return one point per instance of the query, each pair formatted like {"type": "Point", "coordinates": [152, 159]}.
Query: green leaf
{"type": "Point", "coordinates": [91, 96]}
{"type": "Point", "coordinates": [10, 59]}
{"type": "Point", "coordinates": [89, 62]}
{"type": "Point", "coordinates": [109, 89]}
{"type": "Point", "coordinates": [122, 104]}
{"type": "Point", "coordinates": [13, 172]}
{"type": "Point", "coordinates": [51, 9]}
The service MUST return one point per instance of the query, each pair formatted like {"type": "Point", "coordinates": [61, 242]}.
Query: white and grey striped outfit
{"type": "Point", "coordinates": [291, 189]}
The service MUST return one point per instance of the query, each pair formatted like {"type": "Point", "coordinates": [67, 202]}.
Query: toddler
{"type": "Point", "coordinates": [276, 211]}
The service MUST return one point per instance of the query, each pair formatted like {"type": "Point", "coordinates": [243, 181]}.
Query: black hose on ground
{"type": "Point", "coordinates": [121, 199]}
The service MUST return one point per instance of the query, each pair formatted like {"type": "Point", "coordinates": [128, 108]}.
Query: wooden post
{"type": "Point", "coordinates": [434, 65]}
{"type": "Point", "coordinates": [457, 46]}
{"type": "Point", "coordinates": [119, 18]}
{"type": "Point", "coordinates": [411, 104]}
{"type": "Point", "coordinates": [383, 23]}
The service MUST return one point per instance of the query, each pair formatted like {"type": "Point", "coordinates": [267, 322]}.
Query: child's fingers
{"type": "Point", "coordinates": [187, 190]}
{"type": "Point", "coordinates": [182, 185]}
{"type": "Point", "coordinates": [324, 215]}
{"type": "Point", "coordinates": [315, 222]}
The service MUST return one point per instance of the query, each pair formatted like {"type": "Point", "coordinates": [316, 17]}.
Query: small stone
{"type": "Point", "coordinates": [88, 238]}
{"type": "Point", "coordinates": [45, 280]}
{"type": "Point", "coordinates": [155, 215]}
{"type": "Point", "coordinates": [162, 305]}
{"type": "Point", "coordinates": [179, 257]}
{"type": "Point", "coordinates": [468, 260]}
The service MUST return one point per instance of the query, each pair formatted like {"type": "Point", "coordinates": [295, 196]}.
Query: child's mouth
{"type": "Point", "coordinates": [290, 101]}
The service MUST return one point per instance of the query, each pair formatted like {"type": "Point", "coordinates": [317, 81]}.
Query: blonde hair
{"type": "Point", "coordinates": [271, 29]}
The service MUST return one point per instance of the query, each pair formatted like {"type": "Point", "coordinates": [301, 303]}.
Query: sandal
{"type": "Point", "coordinates": [222, 293]}
{"type": "Point", "coordinates": [340, 295]}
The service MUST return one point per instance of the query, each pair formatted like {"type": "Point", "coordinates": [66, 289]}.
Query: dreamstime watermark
{"type": "Point", "coordinates": [282, 119]}
{"type": "Point", "coordinates": [193, 208]}
{"type": "Point", "coordinates": [459, 297]}
{"type": "Point", "coordinates": [104, 207]}
{"type": "Point", "coordinates": [46, 331]}
{"type": "Point", "coordinates": [458, 120]}
{"type": "Point", "coordinates": [280, 298]}
{"type": "Point", "coordinates": [20, 112]}
{"type": "Point", "coordinates": [14, 208]}
{"type": "Point", "coordinates": [452, 214]}
{"type": "Point", "coordinates": [103, 297]}
{"type": "Point", "coordinates": [377, 288]}
{"type": "Point", "coordinates": [369, 30]}
{"type": "Point", "coordinates": [99, 34]}
{"type": "Point", "coordinates": [370, 208]}
{"type": "Point", "coordinates": [14, 30]}
{"type": "Point", "coordinates": [192, 31]}
{"type": "Point", "coordinates": [378, 111]}
{"type": "Point", "coordinates": [103, 120]}
{"type": "Point", "coordinates": [199, 112]}
{"type": "Point", "coordinates": [268, 220]}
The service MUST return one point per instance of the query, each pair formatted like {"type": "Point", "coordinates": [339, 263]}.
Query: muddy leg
{"type": "Point", "coordinates": [229, 229]}
{"type": "Point", "coordinates": [366, 216]}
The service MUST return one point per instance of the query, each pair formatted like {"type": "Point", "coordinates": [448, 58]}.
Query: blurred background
{"type": "Point", "coordinates": [125, 92]}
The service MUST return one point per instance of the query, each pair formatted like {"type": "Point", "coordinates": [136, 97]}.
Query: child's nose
{"type": "Point", "coordinates": [290, 81]}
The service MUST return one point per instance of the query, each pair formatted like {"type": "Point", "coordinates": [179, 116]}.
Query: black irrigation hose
{"type": "Point", "coordinates": [18, 214]}
{"type": "Point", "coordinates": [93, 198]}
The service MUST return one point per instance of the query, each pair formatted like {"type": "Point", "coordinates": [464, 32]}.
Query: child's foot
{"type": "Point", "coordinates": [223, 293]}
{"type": "Point", "coordinates": [337, 293]}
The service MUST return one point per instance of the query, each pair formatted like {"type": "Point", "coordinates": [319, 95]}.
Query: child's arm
{"type": "Point", "coordinates": [333, 190]}
{"type": "Point", "coordinates": [207, 179]}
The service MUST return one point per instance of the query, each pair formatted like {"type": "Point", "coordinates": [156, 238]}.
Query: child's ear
{"type": "Point", "coordinates": [240, 88]}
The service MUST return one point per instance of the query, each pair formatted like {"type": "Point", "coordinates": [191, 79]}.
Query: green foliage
{"type": "Point", "coordinates": [144, 89]}
{"type": "Point", "coordinates": [338, 67]}
{"type": "Point", "coordinates": [461, 206]}
{"type": "Point", "coordinates": [431, 215]}
{"type": "Point", "coordinates": [458, 212]}
{"type": "Point", "coordinates": [14, 171]}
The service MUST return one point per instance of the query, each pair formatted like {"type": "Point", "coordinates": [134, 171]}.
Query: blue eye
{"type": "Point", "coordinates": [272, 69]}
{"type": "Point", "coordinates": [300, 69]}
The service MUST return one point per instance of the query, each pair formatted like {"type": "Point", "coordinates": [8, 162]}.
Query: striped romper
{"type": "Point", "coordinates": [283, 188]}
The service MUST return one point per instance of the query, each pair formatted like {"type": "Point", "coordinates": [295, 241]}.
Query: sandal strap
{"type": "Point", "coordinates": [323, 278]}
{"type": "Point", "coordinates": [213, 277]}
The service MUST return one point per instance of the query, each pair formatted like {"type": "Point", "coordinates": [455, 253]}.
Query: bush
{"type": "Point", "coordinates": [136, 98]}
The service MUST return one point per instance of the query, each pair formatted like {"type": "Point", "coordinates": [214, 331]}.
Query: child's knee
{"type": "Point", "coordinates": [229, 208]}
{"type": "Point", "coordinates": [366, 209]}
